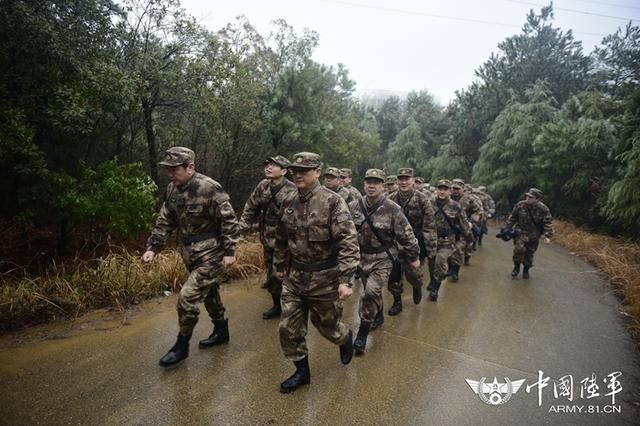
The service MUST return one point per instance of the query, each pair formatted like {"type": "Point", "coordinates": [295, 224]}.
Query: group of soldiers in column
{"type": "Point", "coordinates": [318, 241]}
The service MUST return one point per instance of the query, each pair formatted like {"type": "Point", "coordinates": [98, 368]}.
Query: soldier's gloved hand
{"type": "Point", "coordinates": [344, 291]}
{"type": "Point", "coordinates": [415, 265]}
{"type": "Point", "coordinates": [547, 240]}
{"type": "Point", "coordinates": [228, 261]}
{"type": "Point", "coordinates": [148, 256]}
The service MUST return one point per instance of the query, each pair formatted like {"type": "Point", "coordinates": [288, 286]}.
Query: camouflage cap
{"type": "Point", "coordinates": [279, 160]}
{"type": "Point", "coordinates": [427, 185]}
{"type": "Point", "coordinates": [345, 173]}
{"type": "Point", "coordinates": [444, 183]}
{"type": "Point", "coordinates": [457, 184]}
{"type": "Point", "coordinates": [419, 180]}
{"type": "Point", "coordinates": [375, 174]}
{"type": "Point", "coordinates": [468, 186]}
{"type": "Point", "coordinates": [306, 160]}
{"type": "Point", "coordinates": [482, 188]}
{"type": "Point", "coordinates": [405, 171]}
{"type": "Point", "coordinates": [391, 179]}
{"type": "Point", "coordinates": [534, 192]}
{"type": "Point", "coordinates": [332, 171]}
{"type": "Point", "coordinates": [178, 156]}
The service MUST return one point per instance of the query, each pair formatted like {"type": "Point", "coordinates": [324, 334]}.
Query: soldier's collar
{"type": "Point", "coordinates": [306, 196]}
{"type": "Point", "coordinates": [187, 183]}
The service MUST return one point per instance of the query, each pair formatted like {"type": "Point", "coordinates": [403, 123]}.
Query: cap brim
{"type": "Point", "coordinates": [374, 178]}
{"type": "Point", "coordinates": [170, 164]}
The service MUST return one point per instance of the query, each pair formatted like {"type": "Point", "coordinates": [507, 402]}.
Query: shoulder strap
{"type": "Point", "coordinates": [453, 228]}
{"type": "Point", "coordinates": [373, 229]}
{"type": "Point", "coordinates": [407, 202]}
{"type": "Point", "coordinates": [533, 220]}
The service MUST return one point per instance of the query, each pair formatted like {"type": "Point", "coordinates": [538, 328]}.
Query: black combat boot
{"type": "Point", "coordinates": [396, 308]}
{"type": "Point", "coordinates": [177, 353]}
{"type": "Point", "coordinates": [516, 269]}
{"type": "Point", "coordinates": [455, 273]}
{"type": "Point", "coordinates": [346, 349]}
{"type": "Point", "coordinates": [480, 239]}
{"type": "Point", "coordinates": [219, 336]}
{"type": "Point", "coordinates": [361, 339]}
{"type": "Point", "coordinates": [275, 310]}
{"type": "Point", "coordinates": [417, 295]}
{"type": "Point", "coordinates": [378, 320]}
{"type": "Point", "coordinates": [302, 376]}
{"type": "Point", "coordinates": [525, 272]}
{"type": "Point", "coordinates": [466, 260]}
{"type": "Point", "coordinates": [433, 291]}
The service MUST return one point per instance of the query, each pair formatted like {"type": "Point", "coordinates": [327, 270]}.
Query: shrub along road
{"type": "Point", "coordinates": [562, 322]}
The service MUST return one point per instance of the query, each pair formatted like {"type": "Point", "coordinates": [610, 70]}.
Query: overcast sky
{"type": "Point", "coordinates": [404, 45]}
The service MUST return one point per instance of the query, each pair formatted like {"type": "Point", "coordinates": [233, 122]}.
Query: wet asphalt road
{"type": "Point", "coordinates": [563, 321]}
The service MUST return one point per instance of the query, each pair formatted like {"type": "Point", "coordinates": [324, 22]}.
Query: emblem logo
{"type": "Point", "coordinates": [167, 157]}
{"type": "Point", "coordinates": [289, 210]}
{"type": "Point", "coordinates": [495, 393]}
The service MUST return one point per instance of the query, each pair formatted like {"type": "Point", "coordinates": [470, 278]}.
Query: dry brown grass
{"type": "Point", "coordinates": [117, 280]}
{"type": "Point", "coordinates": [617, 258]}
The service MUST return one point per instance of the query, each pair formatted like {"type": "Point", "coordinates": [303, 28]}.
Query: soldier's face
{"type": "Point", "coordinates": [180, 175]}
{"type": "Point", "coordinates": [392, 187]}
{"type": "Point", "coordinates": [273, 171]}
{"type": "Point", "coordinates": [331, 181]}
{"type": "Point", "coordinates": [443, 192]}
{"type": "Point", "coordinates": [405, 183]}
{"type": "Point", "coordinates": [456, 191]}
{"type": "Point", "coordinates": [305, 179]}
{"type": "Point", "coordinates": [345, 180]}
{"type": "Point", "coordinates": [373, 187]}
{"type": "Point", "coordinates": [418, 186]}
{"type": "Point", "coordinates": [530, 199]}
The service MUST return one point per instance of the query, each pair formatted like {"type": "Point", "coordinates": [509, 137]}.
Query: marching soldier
{"type": "Point", "coordinates": [489, 208]}
{"type": "Point", "coordinates": [451, 224]}
{"type": "Point", "coordinates": [199, 210]}
{"type": "Point", "coordinates": [262, 207]}
{"type": "Point", "coordinates": [392, 184]}
{"type": "Point", "coordinates": [316, 228]}
{"type": "Point", "coordinates": [383, 232]}
{"type": "Point", "coordinates": [346, 177]}
{"type": "Point", "coordinates": [332, 181]}
{"type": "Point", "coordinates": [529, 220]}
{"type": "Point", "coordinates": [476, 219]}
{"type": "Point", "coordinates": [419, 211]}
{"type": "Point", "coordinates": [472, 208]}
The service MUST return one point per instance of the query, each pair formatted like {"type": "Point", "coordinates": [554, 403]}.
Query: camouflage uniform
{"type": "Point", "coordinates": [207, 229]}
{"type": "Point", "coordinates": [394, 228]}
{"type": "Point", "coordinates": [346, 195]}
{"type": "Point", "coordinates": [355, 194]}
{"type": "Point", "coordinates": [488, 208]}
{"type": "Point", "coordinates": [456, 217]}
{"type": "Point", "coordinates": [262, 207]}
{"type": "Point", "coordinates": [473, 212]}
{"type": "Point", "coordinates": [317, 229]}
{"type": "Point", "coordinates": [419, 211]}
{"type": "Point", "coordinates": [529, 222]}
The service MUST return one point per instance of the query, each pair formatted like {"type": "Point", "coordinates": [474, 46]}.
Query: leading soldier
{"type": "Point", "coordinates": [316, 228]}
{"type": "Point", "coordinates": [392, 235]}
{"type": "Point", "coordinates": [529, 220]}
{"type": "Point", "coordinates": [419, 211]}
{"type": "Point", "coordinates": [196, 207]}
{"type": "Point", "coordinates": [262, 207]}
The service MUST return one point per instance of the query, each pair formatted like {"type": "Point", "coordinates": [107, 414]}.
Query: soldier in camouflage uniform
{"type": "Point", "coordinates": [476, 221]}
{"type": "Point", "coordinates": [472, 209]}
{"type": "Point", "coordinates": [418, 184]}
{"type": "Point", "coordinates": [489, 208]}
{"type": "Point", "coordinates": [262, 208]}
{"type": "Point", "coordinates": [419, 211]}
{"type": "Point", "coordinates": [451, 222]}
{"type": "Point", "coordinates": [529, 220]}
{"type": "Point", "coordinates": [346, 177]}
{"type": "Point", "coordinates": [316, 228]}
{"type": "Point", "coordinates": [332, 181]}
{"type": "Point", "coordinates": [397, 238]}
{"type": "Point", "coordinates": [392, 184]}
{"type": "Point", "coordinates": [197, 208]}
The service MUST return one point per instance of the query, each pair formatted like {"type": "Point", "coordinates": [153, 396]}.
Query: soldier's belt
{"type": "Point", "coordinates": [190, 239]}
{"type": "Point", "coordinates": [374, 250]}
{"type": "Point", "coordinates": [314, 267]}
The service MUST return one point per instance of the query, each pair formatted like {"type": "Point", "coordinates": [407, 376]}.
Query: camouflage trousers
{"type": "Point", "coordinates": [459, 250]}
{"type": "Point", "coordinates": [414, 277]}
{"type": "Point", "coordinates": [272, 283]}
{"type": "Point", "coordinates": [315, 295]}
{"type": "Point", "coordinates": [375, 275]}
{"type": "Point", "coordinates": [445, 251]}
{"type": "Point", "coordinates": [523, 249]}
{"type": "Point", "coordinates": [201, 283]}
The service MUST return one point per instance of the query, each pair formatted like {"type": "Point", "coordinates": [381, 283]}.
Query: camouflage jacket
{"type": "Point", "coordinates": [472, 206]}
{"type": "Point", "coordinates": [316, 228]}
{"type": "Point", "coordinates": [488, 205]}
{"type": "Point", "coordinates": [355, 194]}
{"type": "Point", "coordinates": [392, 226]}
{"type": "Point", "coordinates": [531, 220]}
{"type": "Point", "coordinates": [198, 209]}
{"type": "Point", "coordinates": [263, 206]}
{"type": "Point", "coordinates": [346, 195]}
{"type": "Point", "coordinates": [454, 224]}
{"type": "Point", "coordinates": [419, 210]}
